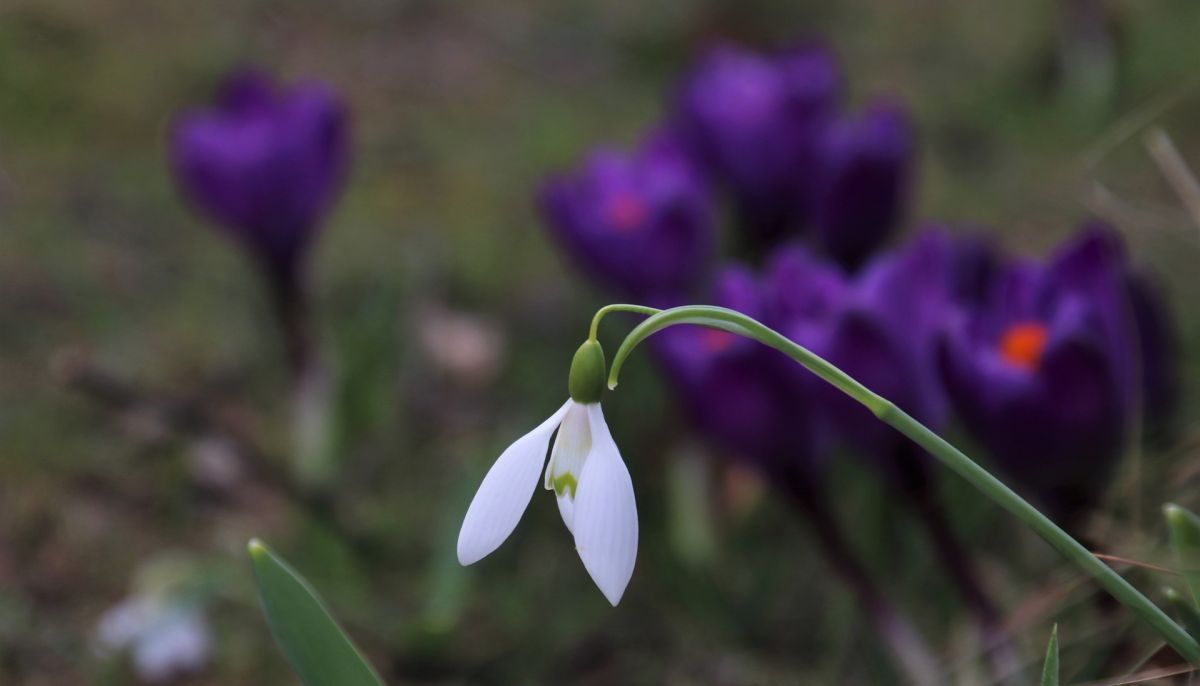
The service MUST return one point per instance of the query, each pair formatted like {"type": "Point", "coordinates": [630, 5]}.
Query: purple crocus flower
{"type": "Point", "coordinates": [1045, 372]}
{"type": "Point", "coordinates": [639, 223]}
{"type": "Point", "coordinates": [755, 121]}
{"type": "Point", "coordinates": [878, 327]}
{"type": "Point", "coordinates": [864, 174]}
{"type": "Point", "coordinates": [265, 162]}
{"type": "Point", "coordinates": [908, 294]}
{"type": "Point", "coordinates": [734, 394]}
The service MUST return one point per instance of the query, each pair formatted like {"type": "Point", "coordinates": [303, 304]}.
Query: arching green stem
{"type": "Point", "coordinates": [885, 410]}
{"type": "Point", "coordinates": [638, 309]}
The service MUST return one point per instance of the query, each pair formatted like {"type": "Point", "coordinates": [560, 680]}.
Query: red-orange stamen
{"type": "Point", "coordinates": [1022, 344]}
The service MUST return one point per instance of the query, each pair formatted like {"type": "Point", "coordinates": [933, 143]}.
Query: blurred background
{"type": "Point", "coordinates": [148, 410]}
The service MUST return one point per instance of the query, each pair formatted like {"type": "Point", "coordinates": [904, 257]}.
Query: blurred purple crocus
{"type": "Point", "coordinates": [734, 393]}
{"type": "Point", "coordinates": [866, 164]}
{"type": "Point", "coordinates": [265, 162]}
{"type": "Point", "coordinates": [879, 327]}
{"type": "Point", "coordinates": [755, 121]}
{"type": "Point", "coordinates": [756, 404]}
{"type": "Point", "coordinates": [1047, 372]}
{"type": "Point", "coordinates": [639, 223]}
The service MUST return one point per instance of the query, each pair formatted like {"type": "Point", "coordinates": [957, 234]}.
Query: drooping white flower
{"type": "Point", "coordinates": [586, 473]}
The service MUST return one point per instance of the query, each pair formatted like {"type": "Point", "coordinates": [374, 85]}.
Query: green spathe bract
{"type": "Point", "coordinates": [586, 380]}
{"type": "Point", "coordinates": [738, 323]}
{"type": "Point", "coordinates": [316, 647]}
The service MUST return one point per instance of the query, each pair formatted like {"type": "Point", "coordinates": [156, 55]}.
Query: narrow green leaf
{"type": "Point", "coordinates": [316, 647]}
{"type": "Point", "coordinates": [1050, 667]}
{"type": "Point", "coordinates": [1187, 613]}
{"type": "Point", "coordinates": [1185, 539]}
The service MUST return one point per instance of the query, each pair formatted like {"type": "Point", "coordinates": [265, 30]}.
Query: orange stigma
{"type": "Point", "coordinates": [1023, 344]}
{"type": "Point", "coordinates": [626, 212]}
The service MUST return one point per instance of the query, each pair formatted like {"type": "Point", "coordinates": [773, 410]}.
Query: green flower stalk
{"type": "Point", "coordinates": [739, 324]}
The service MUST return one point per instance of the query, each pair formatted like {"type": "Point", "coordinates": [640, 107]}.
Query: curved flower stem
{"type": "Point", "coordinates": [619, 307]}
{"type": "Point", "coordinates": [886, 411]}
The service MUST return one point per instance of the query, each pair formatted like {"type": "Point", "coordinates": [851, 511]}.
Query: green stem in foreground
{"type": "Point", "coordinates": [885, 410]}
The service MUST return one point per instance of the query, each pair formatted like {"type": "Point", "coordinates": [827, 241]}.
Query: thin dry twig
{"type": "Point", "coordinates": [1135, 563]}
{"type": "Point", "coordinates": [1128, 126]}
{"type": "Point", "coordinates": [1175, 170]}
{"type": "Point", "coordinates": [1144, 677]}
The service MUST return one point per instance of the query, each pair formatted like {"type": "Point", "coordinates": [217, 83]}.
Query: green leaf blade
{"type": "Point", "coordinates": [1184, 527]}
{"type": "Point", "coordinates": [318, 650]}
{"type": "Point", "coordinates": [1050, 667]}
{"type": "Point", "coordinates": [1187, 613]}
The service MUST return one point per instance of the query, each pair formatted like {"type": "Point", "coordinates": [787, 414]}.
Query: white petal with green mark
{"type": "Point", "coordinates": [570, 451]}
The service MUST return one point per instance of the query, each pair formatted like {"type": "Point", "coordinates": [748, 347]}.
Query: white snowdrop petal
{"type": "Point", "coordinates": [566, 508]}
{"type": "Point", "coordinates": [571, 447]}
{"type": "Point", "coordinates": [505, 492]}
{"type": "Point", "coordinates": [606, 526]}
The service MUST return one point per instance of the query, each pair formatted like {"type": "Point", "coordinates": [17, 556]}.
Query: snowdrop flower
{"type": "Point", "coordinates": [165, 639]}
{"type": "Point", "coordinates": [586, 473]}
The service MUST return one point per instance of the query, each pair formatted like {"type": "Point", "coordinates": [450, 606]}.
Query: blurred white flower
{"type": "Point", "coordinates": [165, 639]}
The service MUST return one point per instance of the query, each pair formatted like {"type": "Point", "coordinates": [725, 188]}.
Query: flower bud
{"type": "Point", "coordinates": [588, 369]}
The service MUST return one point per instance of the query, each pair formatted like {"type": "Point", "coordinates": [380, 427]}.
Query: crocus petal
{"type": "Point", "coordinates": [505, 492]}
{"type": "Point", "coordinates": [606, 526]}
